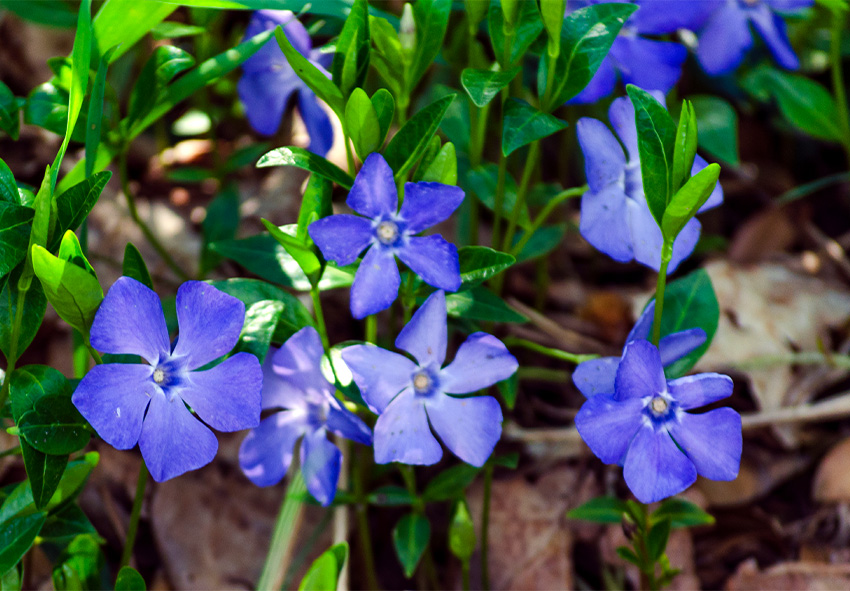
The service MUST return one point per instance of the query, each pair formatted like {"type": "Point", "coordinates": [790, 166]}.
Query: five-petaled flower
{"type": "Point", "coordinates": [409, 395]}
{"type": "Point", "coordinates": [388, 233]}
{"type": "Point", "coordinates": [295, 387]}
{"type": "Point", "coordinates": [268, 80]}
{"type": "Point", "coordinates": [146, 403]}
{"type": "Point", "coordinates": [648, 63]}
{"type": "Point", "coordinates": [726, 37]}
{"type": "Point", "coordinates": [615, 217]}
{"type": "Point", "coordinates": [643, 426]}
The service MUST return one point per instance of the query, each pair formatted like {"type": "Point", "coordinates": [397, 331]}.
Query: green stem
{"type": "Point", "coordinates": [135, 513]}
{"type": "Point", "coordinates": [485, 527]}
{"type": "Point", "coordinates": [371, 329]}
{"type": "Point", "coordinates": [363, 520]}
{"type": "Point", "coordinates": [466, 584]}
{"type": "Point", "coordinates": [475, 150]}
{"type": "Point", "coordinates": [285, 528]}
{"type": "Point", "coordinates": [134, 213]}
{"type": "Point", "coordinates": [556, 353]}
{"type": "Point", "coordinates": [660, 285]}
{"type": "Point", "coordinates": [349, 156]}
{"type": "Point", "coordinates": [407, 300]}
{"type": "Point", "coordinates": [531, 164]}
{"type": "Point", "coordinates": [544, 215]}
{"type": "Point", "coordinates": [544, 374]}
{"type": "Point", "coordinates": [94, 354]}
{"type": "Point", "coordinates": [499, 201]}
{"type": "Point", "coordinates": [838, 81]}
{"type": "Point", "coordinates": [320, 317]}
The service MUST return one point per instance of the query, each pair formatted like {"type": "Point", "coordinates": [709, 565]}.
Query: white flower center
{"type": "Point", "coordinates": [158, 376]}
{"type": "Point", "coordinates": [421, 382]}
{"type": "Point", "coordinates": [658, 405]}
{"type": "Point", "coordinates": [387, 232]}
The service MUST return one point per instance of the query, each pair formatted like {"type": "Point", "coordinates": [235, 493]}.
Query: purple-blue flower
{"type": "Point", "coordinates": [387, 233]}
{"type": "Point", "coordinates": [147, 403]}
{"type": "Point", "coordinates": [726, 37]}
{"type": "Point", "coordinates": [615, 217]}
{"type": "Point", "coordinates": [597, 376]}
{"type": "Point", "coordinates": [305, 408]}
{"type": "Point", "coordinates": [408, 395]}
{"type": "Point", "coordinates": [269, 81]}
{"type": "Point", "coordinates": [644, 62]}
{"type": "Point", "coordinates": [643, 426]}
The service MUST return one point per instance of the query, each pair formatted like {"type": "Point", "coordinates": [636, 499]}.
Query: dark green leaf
{"type": "Point", "coordinates": [261, 320]}
{"type": "Point", "coordinates": [34, 306]}
{"type": "Point", "coordinates": [483, 85]}
{"type": "Point", "coordinates": [524, 124]}
{"type": "Point", "coordinates": [686, 146]}
{"type": "Point", "coordinates": [81, 566]}
{"type": "Point", "coordinates": [656, 541]}
{"type": "Point", "coordinates": [66, 524]}
{"type": "Point", "coordinates": [162, 66]}
{"type": "Point", "coordinates": [129, 579]}
{"type": "Point", "coordinates": [390, 496]}
{"type": "Point", "coordinates": [628, 555]}
{"type": "Point", "coordinates": [16, 538]}
{"type": "Point", "coordinates": [656, 140]}
{"type": "Point", "coordinates": [442, 168]}
{"type": "Point", "coordinates": [10, 120]}
{"type": "Point", "coordinates": [75, 204]}
{"type": "Point", "coordinates": [410, 538]}
{"type": "Point", "coordinates": [362, 123]}
{"type": "Point", "coordinates": [220, 223]}
{"type": "Point", "coordinates": [15, 224]}
{"type": "Point", "coordinates": [95, 113]}
{"type": "Point", "coordinates": [30, 383]}
{"type": "Point", "coordinates": [543, 241]}
{"type": "Point", "coordinates": [351, 56]}
{"type": "Point", "coordinates": [134, 266]}
{"type": "Point", "coordinates": [681, 513]}
{"type": "Point", "coordinates": [51, 13]}
{"type": "Point", "coordinates": [687, 201]}
{"type": "Point", "coordinates": [323, 574]}
{"type": "Point", "coordinates": [527, 29]}
{"type": "Point", "coordinates": [450, 483]}
{"type": "Point", "coordinates": [717, 122]}
{"type": "Point", "coordinates": [292, 156]}
{"type": "Point", "coordinates": [408, 145]}
{"type": "Point", "coordinates": [12, 579]}
{"type": "Point", "coordinates": [8, 187]}
{"type": "Point", "coordinates": [47, 107]}
{"type": "Point", "coordinates": [479, 263]}
{"type": "Point", "coordinates": [600, 510]}
{"type": "Point", "coordinates": [384, 105]}
{"type": "Point", "coordinates": [314, 78]}
{"type": "Point", "coordinates": [432, 19]}
{"type": "Point", "coordinates": [315, 204]}
{"type": "Point", "coordinates": [462, 539]}
{"type": "Point", "coordinates": [484, 181]}
{"type": "Point", "coordinates": [509, 389]}
{"type": "Point", "coordinates": [300, 250]}
{"type": "Point", "coordinates": [44, 473]}
{"type": "Point", "coordinates": [124, 22]}
{"type": "Point", "coordinates": [479, 303]}
{"type": "Point", "coordinates": [55, 427]}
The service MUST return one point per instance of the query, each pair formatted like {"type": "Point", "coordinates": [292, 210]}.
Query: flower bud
{"type": "Point", "coordinates": [476, 10]}
{"type": "Point", "coordinates": [552, 13]}
{"type": "Point", "coordinates": [407, 31]}
{"type": "Point", "coordinates": [510, 8]}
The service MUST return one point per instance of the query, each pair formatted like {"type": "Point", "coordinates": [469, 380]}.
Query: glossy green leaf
{"type": "Point", "coordinates": [484, 181]}
{"type": "Point", "coordinates": [166, 62]}
{"type": "Point", "coordinates": [30, 383]}
{"type": "Point", "coordinates": [685, 148]}
{"type": "Point", "coordinates": [123, 22]}
{"type": "Point", "coordinates": [410, 538]}
{"type": "Point", "coordinates": [129, 579]}
{"type": "Point", "coordinates": [10, 107]}
{"type": "Point", "coordinates": [300, 250]}
{"type": "Point", "coordinates": [656, 141]}
{"type": "Point", "coordinates": [351, 56]}
{"type": "Point", "coordinates": [34, 306]}
{"type": "Point", "coordinates": [220, 223]}
{"type": "Point", "coordinates": [656, 540]}
{"type": "Point", "coordinates": [600, 510]}
{"type": "Point", "coordinates": [173, 30]}
{"type": "Point", "coordinates": [315, 204]}
{"type": "Point", "coordinates": [552, 13]}
{"type": "Point", "coordinates": [628, 555]}
{"type": "Point", "coordinates": [450, 483]}
{"type": "Point", "coordinates": [12, 579]}
{"type": "Point", "coordinates": [527, 29]}
{"type": "Point", "coordinates": [15, 224]}
{"type": "Point", "coordinates": [44, 473]}
{"type": "Point", "coordinates": [323, 574]}
{"type": "Point", "coordinates": [94, 119]}
{"type": "Point", "coordinates": [462, 539]}
{"type": "Point", "coordinates": [442, 168]}
{"type": "Point", "coordinates": [524, 124]}
{"type": "Point", "coordinates": [509, 389]}
{"type": "Point", "coordinates": [681, 513]}
{"type": "Point", "coordinates": [54, 427]}
{"type": "Point", "coordinates": [409, 144]}
{"type": "Point", "coordinates": [543, 241]}
{"type": "Point", "coordinates": [718, 127]}
{"type": "Point", "coordinates": [301, 158]}
{"type": "Point", "coordinates": [47, 107]}
{"type": "Point", "coordinates": [81, 566]}
{"type": "Point", "coordinates": [384, 105]}
{"type": "Point", "coordinates": [432, 20]}
{"type": "Point", "coordinates": [8, 187]}
{"type": "Point", "coordinates": [50, 13]}
{"type": "Point", "coordinates": [479, 303]}
{"type": "Point", "coordinates": [314, 78]}
{"type": "Point", "coordinates": [480, 263]}
{"type": "Point", "coordinates": [16, 537]}
{"type": "Point", "coordinates": [134, 266]}
{"type": "Point", "coordinates": [362, 123]}
{"type": "Point", "coordinates": [66, 524]}
{"type": "Point", "coordinates": [687, 201]}
{"type": "Point", "coordinates": [391, 496]}
{"type": "Point", "coordinates": [261, 320]}
{"type": "Point", "coordinates": [483, 85]}
{"type": "Point", "coordinates": [74, 205]}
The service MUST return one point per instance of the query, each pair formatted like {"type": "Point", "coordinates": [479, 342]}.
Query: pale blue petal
{"type": "Point", "coordinates": [604, 222]}
{"type": "Point", "coordinates": [267, 451]}
{"type": "Point", "coordinates": [320, 463]}
{"type": "Point", "coordinates": [228, 396]}
{"type": "Point", "coordinates": [379, 374]}
{"type": "Point", "coordinates": [481, 361]}
{"type": "Point", "coordinates": [433, 259]}
{"type": "Point", "coordinates": [608, 425]}
{"type": "Point", "coordinates": [317, 122]}
{"type": "Point", "coordinates": [345, 423]}
{"type": "Point", "coordinates": [772, 29]}
{"type": "Point", "coordinates": [376, 283]}
{"type": "Point", "coordinates": [655, 468]}
{"type": "Point", "coordinates": [342, 237]}
{"type": "Point", "coordinates": [605, 162]}
{"type": "Point", "coordinates": [596, 376]}
{"type": "Point", "coordinates": [426, 204]}
{"type": "Point", "coordinates": [700, 389]}
{"type": "Point", "coordinates": [425, 335]}
{"type": "Point", "coordinates": [712, 441]}
{"type": "Point", "coordinates": [675, 346]}
{"type": "Point", "coordinates": [402, 433]}
{"type": "Point", "coordinates": [210, 322]}
{"type": "Point", "coordinates": [470, 427]}
{"type": "Point", "coordinates": [725, 40]}
{"type": "Point", "coordinates": [374, 192]}
{"type": "Point", "coordinates": [640, 373]}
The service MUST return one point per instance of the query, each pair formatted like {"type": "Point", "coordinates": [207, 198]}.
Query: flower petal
{"type": "Point", "coordinates": [402, 433]}
{"type": "Point", "coordinates": [700, 389]}
{"type": "Point", "coordinates": [725, 40]}
{"type": "Point", "coordinates": [344, 423]}
{"type": "Point", "coordinates": [655, 65]}
{"type": "Point", "coordinates": [267, 451]}
{"type": "Point", "coordinates": [433, 259]}
{"type": "Point", "coordinates": [659, 17]}
{"type": "Point", "coordinates": [320, 462]}
{"type": "Point", "coordinates": [342, 237]}
{"type": "Point", "coordinates": [640, 373]}
{"type": "Point", "coordinates": [277, 392]}
{"type": "Point", "coordinates": [772, 29]}
{"type": "Point", "coordinates": [712, 441]}
{"type": "Point", "coordinates": [173, 441]}
{"type": "Point", "coordinates": [426, 204]}
{"type": "Point", "coordinates": [481, 361]}
{"type": "Point", "coordinates": [596, 376]}
{"type": "Point", "coordinates": [470, 427]}
{"type": "Point", "coordinates": [604, 222]}
{"type": "Point", "coordinates": [601, 85]}
{"type": "Point", "coordinates": [605, 162]}
{"type": "Point", "coordinates": [425, 335]}
{"type": "Point", "coordinates": [376, 282]}
{"type": "Point", "coordinates": [621, 113]}
{"type": "Point", "coordinates": [210, 322]}
{"type": "Point", "coordinates": [647, 239]}
{"type": "Point", "coordinates": [379, 374]}
{"type": "Point", "coordinates": [373, 193]}
{"type": "Point", "coordinates": [675, 346]}
{"type": "Point", "coordinates": [317, 121]}
{"type": "Point", "coordinates": [228, 397]}
{"type": "Point", "coordinates": [270, 56]}
{"type": "Point", "coordinates": [608, 425]}
{"type": "Point", "coordinates": [643, 325]}
{"type": "Point", "coordinates": [130, 321]}
{"type": "Point", "coordinates": [265, 95]}
{"type": "Point", "coordinates": [298, 363]}
{"type": "Point", "coordinates": [113, 398]}
{"type": "Point", "coordinates": [655, 468]}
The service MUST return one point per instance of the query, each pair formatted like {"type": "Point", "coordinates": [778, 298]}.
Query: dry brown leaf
{"type": "Point", "coordinates": [832, 479]}
{"type": "Point", "coordinates": [800, 576]}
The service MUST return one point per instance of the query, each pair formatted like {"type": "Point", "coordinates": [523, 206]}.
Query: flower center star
{"type": "Point", "coordinates": [421, 382]}
{"type": "Point", "coordinates": [658, 405]}
{"type": "Point", "coordinates": [387, 232]}
{"type": "Point", "coordinates": [158, 376]}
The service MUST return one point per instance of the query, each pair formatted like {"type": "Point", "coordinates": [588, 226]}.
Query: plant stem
{"type": "Point", "coordinates": [371, 329]}
{"type": "Point", "coordinates": [660, 285]}
{"type": "Point", "coordinates": [838, 81]}
{"type": "Point", "coordinates": [320, 317]}
{"type": "Point", "coordinates": [94, 354]}
{"type": "Point", "coordinates": [363, 530]}
{"type": "Point", "coordinates": [556, 353]}
{"type": "Point", "coordinates": [466, 584]}
{"type": "Point", "coordinates": [135, 513]}
{"type": "Point", "coordinates": [134, 213]}
{"type": "Point", "coordinates": [544, 215]}
{"type": "Point", "coordinates": [531, 165]}
{"type": "Point", "coordinates": [499, 200]}
{"type": "Point", "coordinates": [287, 524]}
{"type": "Point", "coordinates": [485, 527]}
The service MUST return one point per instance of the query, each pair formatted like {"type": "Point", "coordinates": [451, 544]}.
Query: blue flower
{"type": "Point", "coordinates": [304, 404]}
{"type": "Point", "coordinates": [409, 395]}
{"type": "Point", "coordinates": [146, 403]}
{"type": "Point", "coordinates": [388, 234]}
{"type": "Point", "coordinates": [597, 376]}
{"type": "Point", "coordinates": [644, 62]}
{"type": "Point", "coordinates": [269, 81]}
{"type": "Point", "coordinates": [727, 37]}
{"type": "Point", "coordinates": [615, 217]}
{"type": "Point", "coordinates": [643, 426]}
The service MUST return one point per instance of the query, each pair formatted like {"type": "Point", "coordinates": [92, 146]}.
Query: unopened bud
{"type": "Point", "coordinates": [476, 10]}
{"type": "Point", "coordinates": [407, 30]}
{"type": "Point", "coordinates": [510, 8]}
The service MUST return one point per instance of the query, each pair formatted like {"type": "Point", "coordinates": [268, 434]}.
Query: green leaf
{"type": "Point", "coordinates": [81, 566]}
{"type": "Point", "coordinates": [220, 223]}
{"type": "Point", "coordinates": [509, 389]}
{"type": "Point", "coordinates": [65, 525]}
{"type": "Point", "coordinates": [552, 12]}
{"type": "Point", "coordinates": [432, 20]}
{"type": "Point", "coordinates": [16, 537]}
{"type": "Point", "coordinates": [172, 30]}
{"type": "Point", "coordinates": [600, 510]}
{"type": "Point", "coordinates": [586, 37]}
{"type": "Point", "coordinates": [95, 113]}
{"type": "Point", "coordinates": [47, 107]}
{"type": "Point", "coordinates": [656, 540]}
{"type": "Point", "coordinates": [12, 579]}
{"type": "Point", "coordinates": [681, 513]}
{"type": "Point", "coordinates": [483, 85]}
{"type": "Point", "coordinates": [34, 306]}
{"type": "Point", "coordinates": [410, 538]}
{"type": "Point", "coordinates": [543, 241]}
{"type": "Point", "coordinates": [292, 156]}
{"type": "Point", "coordinates": [409, 144]}
{"type": "Point", "coordinates": [134, 266]}
{"type": "Point", "coordinates": [31, 383]}
{"type": "Point", "coordinates": [450, 483]}
{"type": "Point", "coordinates": [15, 224]}
{"type": "Point", "coordinates": [718, 127]}
{"type": "Point", "coordinates": [480, 263]}
{"type": "Point", "coordinates": [315, 204]}
{"type": "Point", "coordinates": [44, 473]}
{"type": "Point", "coordinates": [351, 56]}
{"type": "Point", "coordinates": [690, 302]}
{"type": "Point", "coordinates": [479, 303]}
{"type": "Point", "coordinates": [628, 555]}
{"type": "Point", "coordinates": [527, 29]}
{"type": "Point", "coordinates": [10, 107]}
{"type": "Point", "coordinates": [462, 539]}
{"type": "Point", "coordinates": [391, 496]}
{"type": "Point", "coordinates": [484, 181]}
{"type": "Point", "coordinates": [124, 22]}
{"type": "Point", "coordinates": [300, 250]}
{"type": "Point", "coordinates": [442, 168]}
{"type": "Point", "coordinates": [686, 146]}
{"type": "Point", "coordinates": [54, 427]}
{"type": "Point", "coordinates": [384, 105]}
{"type": "Point", "coordinates": [323, 574]}
{"type": "Point", "coordinates": [74, 205]}
{"type": "Point", "coordinates": [656, 140]}
{"type": "Point", "coordinates": [162, 66]}
{"type": "Point", "coordinates": [314, 78]}
{"type": "Point", "coordinates": [51, 13]}
{"type": "Point", "coordinates": [261, 320]}
{"type": "Point", "coordinates": [687, 201]}
{"type": "Point", "coordinates": [361, 121]}
{"type": "Point", "coordinates": [129, 579]}
{"type": "Point", "coordinates": [8, 187]}
{"type": "Point", "coordinates": [524, 124]}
